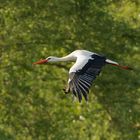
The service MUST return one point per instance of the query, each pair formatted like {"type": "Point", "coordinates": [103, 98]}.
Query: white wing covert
{"type": "Point", "coordinates": [81, 80]}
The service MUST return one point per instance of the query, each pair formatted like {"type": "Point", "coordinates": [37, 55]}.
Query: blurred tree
{"type": "Point", "coordinates": [32, 104]}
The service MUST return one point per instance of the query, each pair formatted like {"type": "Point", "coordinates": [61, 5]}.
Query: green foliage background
{"type": "Point", "coordinates": [32, 104]}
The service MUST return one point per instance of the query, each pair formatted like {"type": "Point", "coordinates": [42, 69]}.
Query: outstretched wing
{"type": "Point", "coordinates": [81, 80]}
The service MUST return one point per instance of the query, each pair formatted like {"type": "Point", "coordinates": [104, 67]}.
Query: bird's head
{"type": "Point", "coordinates": [48, 59]}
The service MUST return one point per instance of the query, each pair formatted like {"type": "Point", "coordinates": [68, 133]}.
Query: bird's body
{"type": "Point", "coordinates": [82, 74]}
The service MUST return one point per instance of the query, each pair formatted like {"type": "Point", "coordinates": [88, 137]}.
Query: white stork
{"type": "Point", "coordinates": [82, 74]}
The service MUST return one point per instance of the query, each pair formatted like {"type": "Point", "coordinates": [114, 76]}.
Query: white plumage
{"type": "Point", "coordinates": [82, 74]}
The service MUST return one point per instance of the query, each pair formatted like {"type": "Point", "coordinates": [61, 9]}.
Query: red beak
{"type": "Point", "coordinates": [41, 62]}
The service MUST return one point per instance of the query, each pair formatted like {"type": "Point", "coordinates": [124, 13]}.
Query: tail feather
{"type": "Point", "coordinates": [113, 63]}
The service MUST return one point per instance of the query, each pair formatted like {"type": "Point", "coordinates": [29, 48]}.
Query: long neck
{"type": "Point", "coordinates": [65, 58]}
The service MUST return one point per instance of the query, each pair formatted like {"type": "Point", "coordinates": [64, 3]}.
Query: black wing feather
{"type": "Point", "coordinates": [83, 78]}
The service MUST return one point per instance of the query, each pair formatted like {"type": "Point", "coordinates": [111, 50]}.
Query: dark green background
{"type": "Point", "coordinates": [32, 103]}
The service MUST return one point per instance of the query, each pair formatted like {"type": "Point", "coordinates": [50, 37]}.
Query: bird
{"type": "Point", "coordinates": [82, 74]}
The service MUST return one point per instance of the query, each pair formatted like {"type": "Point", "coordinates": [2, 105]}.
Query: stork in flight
{"type": "Point", "coordinates": [82, 74]}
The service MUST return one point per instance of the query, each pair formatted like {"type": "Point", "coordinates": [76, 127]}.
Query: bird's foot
{"type": "Point", "coordinates": [66, 90]}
